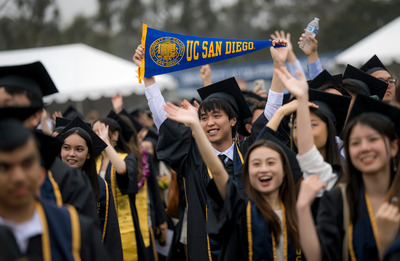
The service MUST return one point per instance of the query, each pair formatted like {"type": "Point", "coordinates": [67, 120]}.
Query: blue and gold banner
{"type": "Point", "coordinates": [168, 52]}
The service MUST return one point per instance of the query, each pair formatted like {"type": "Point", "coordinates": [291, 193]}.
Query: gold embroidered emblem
{"type": "Point", "coordinates": [167, 51]}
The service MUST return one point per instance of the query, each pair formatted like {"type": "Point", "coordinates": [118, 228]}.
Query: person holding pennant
{"type": "Point", "coordinates": [223, 105]}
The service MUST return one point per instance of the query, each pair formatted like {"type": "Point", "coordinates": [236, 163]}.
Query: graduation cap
{"type": "Point", "coordinates": [229, 91]}
{"type": "Point", "coordinates": [332, 105]}
{"type": "Point", "coordinates": [364, 104]}
{"type": "Point", "coordinates": [137, 125]}
{"type": "Point", "coordinates": [71, 113]}
{"type": "Point", "coordinates": [325, 77]}
{"type": "Point", "coordinates": [98, 144]}
{"type": "Point", "coordinates": [126, 130]}
{"type": "Point", "coordinates": [50, 148]}
{"type": "Point", "coordinates": [20, 113]}
{"type": "Point", "coordinates": [32, 77]}
{"type": "Point", "coordinates": [373, 65]}
{"type": "Point", "coordinates": [370, 85]}
{"type": "Point", "coordinates": [61, 122]}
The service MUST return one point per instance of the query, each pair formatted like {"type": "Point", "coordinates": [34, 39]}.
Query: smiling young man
{"type": "Point", "coordinates": [42, 231]}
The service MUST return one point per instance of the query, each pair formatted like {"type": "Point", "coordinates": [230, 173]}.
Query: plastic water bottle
{"type": "Point", "coordinates": [312, 29]}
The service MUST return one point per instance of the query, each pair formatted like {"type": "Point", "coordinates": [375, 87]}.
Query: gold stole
{"type": "Point", "coordinates": [56, 189]}
{"type": "Point", "coordinates": [124, 213]}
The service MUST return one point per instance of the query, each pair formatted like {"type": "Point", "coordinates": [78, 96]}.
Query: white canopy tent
{"type": "Point", "coordinates": [81, 72]}
{"type": "Point", "coordinates": [385, 43]}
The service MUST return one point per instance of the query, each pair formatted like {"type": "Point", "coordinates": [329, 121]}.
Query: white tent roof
{"type": "Point", "coordinates": [383, 42]}
{"type": "Point", "coordinates": [80, 71]}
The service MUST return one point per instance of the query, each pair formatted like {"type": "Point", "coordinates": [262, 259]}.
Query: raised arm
{"type": "Point", "coordinates": [187, 114]}
{"type": "Point", "coordinates": [275, 94]}
{"type": "Point", "coordinates": [153, 94]}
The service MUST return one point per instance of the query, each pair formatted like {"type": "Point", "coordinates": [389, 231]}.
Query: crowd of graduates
{"type": "Point", "coordinates": [305, 171]}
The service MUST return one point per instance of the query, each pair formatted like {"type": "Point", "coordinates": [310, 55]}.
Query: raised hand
{"type": "Point", "coordinates": [279, 55]}
{"type": "Point", "coordinates": [388, 222]}
{"type": "Point", "coordinates": [298, 88]}
{"type": "Point", "coordinates": [103, 133]}
{"type": "Point", "coordinates": [205, 74]}
{"type": "Point", "coordinates": [290, 107]}
{"type": "Point", "coordinates": [308, 190]}
{"type": "Point", "coordinates": [186, 114]}
{"type": "Point", "coordinates": [139, 54]}
{"type": "Point", "coordinates": [117, 102]}
{"type": "Point", "coordinates": [311, 48]}
{"type": "Point", "coordinates": [284, 36]}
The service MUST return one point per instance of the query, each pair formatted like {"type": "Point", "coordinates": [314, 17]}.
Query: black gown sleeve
{"type": "Point", "coordinates": [330, 225]}
{"type": "Point", "coordinates": [156, 206]}
{"type": "Point", "coordinates": [75, 189]}
{"type": "Point", "coordinates": [127, 183]}
{"type": "Point", "coordinates": [174, 144]}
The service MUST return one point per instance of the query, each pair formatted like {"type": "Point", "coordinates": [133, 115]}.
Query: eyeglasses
{"type": "Point", "coordinates": [390, 81]}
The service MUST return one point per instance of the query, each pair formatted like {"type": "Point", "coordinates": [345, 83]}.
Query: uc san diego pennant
{"type": "Point", "coordinates": [168, 52]}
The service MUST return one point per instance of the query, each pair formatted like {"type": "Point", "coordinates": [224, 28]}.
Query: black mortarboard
{"type": "Point", "coordinates": [193, 100]}
{"type": "Point", "coordinates": [363, 104]}
{"type": "Point", "coordinates": [370, 85]}
{"type": "Point", "coordinates": [324, 78]}
{"type": "Point", "coordinates": [229, 91]}
{"type": "Point", "coordinates": [61, 122]}
{"type": "Point", "coordinates": [138, 126]}
{"type": "Point", "coordinates": [31, 77]}
{"type": "Point", "coordinates": [71, 113]}
{"type": "Point", "coordinates": [49, 148]}
{"type": "Point", "coordinates": [20, 113]}
{"type": "Point", "coordinates": [126, 130]}
{"type": "Point", "coordinates": [98, 144]}
{"type": "Point", "coordinates": [334, 106]}
{"type": "Point", "coordinates": [373, 65]}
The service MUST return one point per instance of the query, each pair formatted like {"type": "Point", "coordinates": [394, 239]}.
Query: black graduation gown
{"type": "Point", "coordinates": [228, 222]}
{"type": "Point", "coordinates": [331, 232]}
{"type": "Point", "coordinates": [108, 221]}
{"type": "Point", "coordinates": [128, 185]}
{"type": "Point", "coordinates": [75, 189]}
{"type": "Point", "coordinates": [157, 209]}
{"type": "Point", "coordinates": [60, 239]}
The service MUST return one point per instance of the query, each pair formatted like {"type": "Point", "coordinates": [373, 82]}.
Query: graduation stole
{"type": "Point", "coordinates": [261, 248]}
{"type": "Point", "coordinates": [363, 234]}
{"type": "Point", "coordinates": [50, 190]}
{"type": "Point", "coordinates": [168, 52]}
{"type": "Point", "coordinates": [63, 240]}
{"type": "Point", "coordinates": [102, 205]}
{"type": "Point", "coordinates": [124, 213]}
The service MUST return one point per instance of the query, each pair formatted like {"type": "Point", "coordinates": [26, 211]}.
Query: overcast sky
{"type": "Point", "coordinates": [70, 8]}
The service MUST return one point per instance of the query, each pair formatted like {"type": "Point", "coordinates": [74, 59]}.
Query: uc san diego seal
{"type": "Point", "coordinates": [167, 51]}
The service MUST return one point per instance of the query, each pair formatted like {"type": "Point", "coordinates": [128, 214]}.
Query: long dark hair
{"type": "Point", "coordinates": [113, 127]}
{"type": "Point", "coordinates": [89, 167]}
{"type": "Point", "coordinates": [287, 193]}
{"type": "Point", "coordinates": [353, 176]}
{"type": "Point", "coordinates": [332, 150]}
